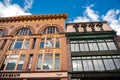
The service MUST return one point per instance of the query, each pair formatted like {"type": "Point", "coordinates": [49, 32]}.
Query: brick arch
{"type": "Point", "coordinates": [18, 28]}
{"type": "Point", "coordinates": [5, 30]}
{"type": "Point", "coordinates": [45, 26]}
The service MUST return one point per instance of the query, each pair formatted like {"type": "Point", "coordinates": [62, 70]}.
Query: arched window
{"type": "Point", "coordinates": [50, 30]}
{"type": "Point", "coordinates": [1, 32]}
{"type": "Point", "coordinates": [24, 31]}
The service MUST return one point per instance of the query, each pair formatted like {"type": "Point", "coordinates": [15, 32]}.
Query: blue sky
{"type": "Point", "coordinates": [77, 10]}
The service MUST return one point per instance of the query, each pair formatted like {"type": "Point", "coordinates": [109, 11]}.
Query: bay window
{"type": "Point", "coordinates": [96, 63]}
{"type": "Point", "coordinates": [93, 45]}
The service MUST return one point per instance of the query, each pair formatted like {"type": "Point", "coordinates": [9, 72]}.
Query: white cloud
{"type": "Point", "coordinates": [28, 4]}
{"type": "Point", "coordinates": [7, 9]}
{"type": "Point", "coordinates": [112, 16]}
{"type": "Point", "coordinates": [88, 15]}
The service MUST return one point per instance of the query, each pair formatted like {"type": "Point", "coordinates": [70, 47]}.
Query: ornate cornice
{"type": "Point", "coordinates": [33, 17]}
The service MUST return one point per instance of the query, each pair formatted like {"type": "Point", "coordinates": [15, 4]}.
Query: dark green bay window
{"type": "Point", "coordinates": [96, 63]}
{"type": "Point", "coordinates": [93, 45]}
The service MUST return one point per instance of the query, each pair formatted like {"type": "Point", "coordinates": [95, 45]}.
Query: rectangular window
{"type": "Point", "coordinates": [48, 61]}
{"type": "Point", "coordinates": [50, 43]}
{"type": "Point", "coordinates": [12, 62]}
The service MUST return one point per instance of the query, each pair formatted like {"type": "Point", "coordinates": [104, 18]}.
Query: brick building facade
{"type": "Point", "coordinates": [33, 47]}
{"type": "Point", "coordinates": [94, 51]}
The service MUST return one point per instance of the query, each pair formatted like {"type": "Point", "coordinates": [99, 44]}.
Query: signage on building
{"type": "Point", "coordinates": [33, 75]}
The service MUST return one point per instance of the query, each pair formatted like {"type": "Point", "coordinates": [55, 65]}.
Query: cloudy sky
{"type": "Point", "coordinates": [77, 10]}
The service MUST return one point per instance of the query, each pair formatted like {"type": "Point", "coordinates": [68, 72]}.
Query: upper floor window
{"type": "Point", "coordinates": [1, 32]}
{"type": "Point", "coordinates": [48, 61]}
{"type": "Point", "coordinates": [93, 45]}
{"type": "Point", "coordinates": [96, 63]}
{"type": "Point", "coordinates": [19, 44]}
{"type": "Point", "coordinates": [50, 30]}
{"type": "Point", "coordinates": [24, 31]}
{"type": "Point", "coordinates": [50, 43]}
{"type": "Point", "coordinates": [13, 62]}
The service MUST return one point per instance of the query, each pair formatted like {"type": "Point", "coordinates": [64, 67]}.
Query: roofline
{"type": "Point", "coordinates": [34, 17]}
{"type": "Point", "coordinates": [86, 22]}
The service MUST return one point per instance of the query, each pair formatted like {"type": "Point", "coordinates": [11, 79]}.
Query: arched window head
{"type": "Point", "coordinates": [23, 31]}
{"type": "Point", "coordinates": [1, 32]}
{"type": "Point", "coordinates": [50, 30]}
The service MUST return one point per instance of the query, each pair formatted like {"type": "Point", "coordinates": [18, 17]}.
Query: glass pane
{"type": "Point", "coordinates": [109, 64]}
{"type": "Point", "coordinates": [57, 61]}
{"type": "Point", "coordinates": [117, 63]}
{"type": "Point", "coordinates": [111, 46]}
{"type": "Point", "coordinates": [11, 45]}
{"type": "Point", "coordinates": [42, 45]}
{"type": "Point", "coordinates": [49, 44]}
{"type": "Point", "coordinates": [57, 43]}
{"type": "Point", "coordinates": [79, 65]}
{"type": "Point", "coordinates": [11, 65]}
{"type": "Point", "coordinates": [20, 64]}
{"type": "Point", "coordinates": [102, 46]}
{"type": "Point", "coordinates": [74, 63]}
{"type": "Point", "coordinates": [86, 66]}
{"type": "Point", "coordinates": [18, 44]}
{"type": "Point", "coordinates": [14, 56]}
{"type": "Point", "coordinates": [48, 62]}
{"type": "Point", "coordinates": [93, 47]}
{"type": "Point", "coordinates": [72, 47]}
{"type": "Point", "coordinates": [76, 47]}
{"type": "Point", "coordinates": [25, 46]}
{"type": "Point", "coordinates": [39, 62]}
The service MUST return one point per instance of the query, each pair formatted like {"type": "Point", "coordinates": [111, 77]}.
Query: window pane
{"type": "Point", "coordinates": [117, 62]}
{"type": "Point", "coordinates": [57, 61]}
{"type": "Point", "coordinates": [18, 44]}
{"type": "Point", "coordinates": [48, 62]}
{"type": "Point", "coordinates": [49, 44]}
{"type": "Point", "coordinates": [109, 64]}
{"type": "Point", "coordinates": [111, 46]}
{"type": "Point", "coordinates": [102, 46]}
{"type": "Point", "coordinates": [74, 63]}
{"type": "Point", "coordinates": [93, 47]}
{"type": "Point", "coordinates": [25, 46]}
{"type": "Point", "coordinates": [72, 47]}
{"type": "Point", "coordinates": [14, 56]}
{"type": "Point", "coordinates": [11, 45]}
{"type": "Point", "coordinates": [21, 62]}
{"type": "Point", "coordinates": [42, 44]}
{"type": "Point", "coordinates": [11, 64]}
{"type": "Point", "coordinates": [39, 62]}
{"type": "Point", "coordinates": [85, 64]}
{"type": "Point", "coordinates": [76, 47]}
{"type": "Point", "coordinates": [57, 43]}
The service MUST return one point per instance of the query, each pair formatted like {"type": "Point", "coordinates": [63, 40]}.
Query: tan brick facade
{"type": "Point", "coordinates": [36, 24]}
